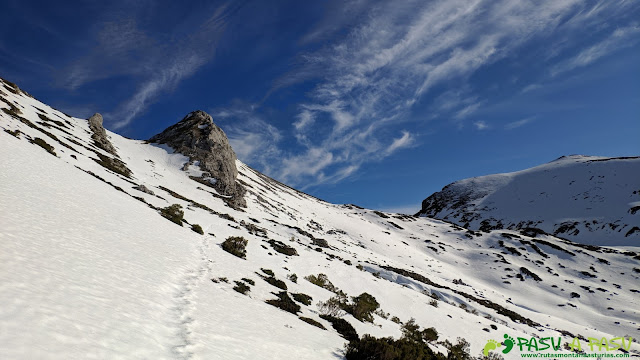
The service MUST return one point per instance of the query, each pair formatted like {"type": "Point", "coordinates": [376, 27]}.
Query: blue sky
{"type": "Point", "coordinates": [377, 103]}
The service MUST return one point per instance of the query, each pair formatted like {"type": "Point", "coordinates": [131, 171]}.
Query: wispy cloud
{"type": "Point", "coordinates": [619, 38]}
{"type": "Point", "coordinates": [157, 63]}
{"type": "Point", "coordinates": [386, 64]}
{"type": "Point", "coordinates": [519, 123]}
{"type": "Point", "coordinates": [481, 125]}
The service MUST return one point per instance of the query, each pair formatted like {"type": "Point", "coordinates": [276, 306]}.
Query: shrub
{"type": "Point", "coordinates": [283, 248]}
{"type": "Point", "coordinates": [382, 314]}
{"type": "Point", "coordinates": [293, 278]}
{"type": "Point", "coordinates": [363, 307]}
{"type": "Point", "coordinates": [267, 271]}
{"type": "Point", "coordinates": [396, 320]}
{"type": "Point", "coordinates": [43, 144]}
{"type": "Point", "coordinates": [302, 298]}
{"type": "Point", "coordinates": [312, 322]}
{"type": "Point", "coordinates": [275, 282]}
{"type": "Point", "coordinates": [197, 228]}
{"type": "Point", "coordinates": [433, 303]}
{"type": "Point", "coordinates": [343, 327]}
{"type": "Point", "coordinates": [241, 287]}
{"type": "Point", "coordinates": [321, 280]}
{"type": "Point", "coordinates": [249, 281]}
{"type": "Point", "coordinates": [235, 245]}
{"type": "Point", "coordinates": [173, 213]}
{"type": "Point", "coordinates": [334, 306]}
{"type": "Point", "coordinates": [387, 348]}
{"type": "Point", "coordinates": [285, 303]}
{"type": "Point", "coordinates": [114, 164]}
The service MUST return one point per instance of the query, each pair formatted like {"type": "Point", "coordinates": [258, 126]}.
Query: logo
{"type": "Point", "coordinates": [493, 344]}
{"type": "Point", "coordinates": [533, 344]}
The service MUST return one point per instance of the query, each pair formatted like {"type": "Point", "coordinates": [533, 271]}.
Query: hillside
{"type": "Point", "coordinates": [587, 199]}
{"type": "Point", "coordinates": [90, 268]}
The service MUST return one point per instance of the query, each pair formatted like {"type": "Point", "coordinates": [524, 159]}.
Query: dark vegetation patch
{"type": "Point", "coordinates": [58, 123]}
{"type": "Point", "coordinates": [632, 231]}
{"type": "Point", "coordinates": [285, 303]}
{"type": "Point", "coordinates": [511, 249]}
{"type": "Point", "coordinates": [43, 144]}
{"type": "Point", "coordinates": [302, 298]}
{"type": "Point", "coordinates": [396, 225]}
{"type": "Point", "coordinates": [526, 272]}
{"type": "Point", "coordinates": [197, 228]}
{"type": "Point", "coordinates": [532, 232]}
{"type": "Point", "coordinates": [254, 229]}
{"type": "Point", "coordinates": [321, 280]}
{"type": "Point", "coordinates": [108, 183]}
{"type": "Point", "coordinates": [283, 248]}
{"type": "Point", "coordinates": [634, 210]}
{"type": "Point", "coordinates": [588, 274]}
{"type": "Point", "coordinates": [484, 302]}
{"type": "Point", "coordinates": [382, 215]}
{"type": "Point", "coordinates": [535, 248]}
{"type": "Point", "coordinates": [235, 245]}
{"type": "Point", "coordinates": [310, 321]}
{"type": "Point", "coordinates": [343, 327]}
{"type": "Point", "coordinates": [241, 287]}
{"type": "Point", "coordinates": [15, 133]}
{"type": "Point", "coordinates": [113, 164]}
{"type": "Point", "coordinates": [173, 213]}
{"type": "Point", "coordinates": [197, 204]}
{"type": "Point", "coordinates": [272, 280]}
{"type": "Point", "coordinates": [249, 281]}
{"type": "Point", "coordinates": [553, 246]}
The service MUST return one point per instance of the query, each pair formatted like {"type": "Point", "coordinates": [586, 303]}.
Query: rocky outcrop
{"type": "Point", "coordinates": [99, 135]}
{"type": "Point", "coordinates": [197, 137]}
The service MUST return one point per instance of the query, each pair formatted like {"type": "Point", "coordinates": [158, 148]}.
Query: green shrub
{"type": "Point", "coordinates": [285, 303]}
{"type": "Point", "coordinates": [197, 228]}
{"type": "Point", "coordinates": [302, 298]}
{"type": "Point", "coordinates": [174, 213]}
{"type": "Point", "coordinates": [321, 280]}
{"type": "Point", "coordinates": [312, 322]}
{"type": "Point", "coordinates": [235, 245]}
{"type": "Point", "coordinates": [343, 327]}
{"type": "Point", "coordinates": [411, 331]}
{"type": "Point", "coordinates": [114, 164]}
{"type": "Point", "coordinates": [396, 320]}
{"type": "Point", "coordinates": [249, 281]}
{"type": "Point", "coordinates": [363, 307]}
{"type": "Point", "coordinates": [241, 287]}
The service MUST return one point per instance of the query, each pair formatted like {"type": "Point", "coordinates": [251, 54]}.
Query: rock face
{"type": "Point", "coordinates": [99, 135]}
{"type": "Point", "coordinates": [197, 137]}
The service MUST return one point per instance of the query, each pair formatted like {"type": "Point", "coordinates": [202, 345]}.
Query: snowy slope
{"type": "Point", "coordinates": [587, 199]}
{"type": "Point", "coordinates": [89, 268]}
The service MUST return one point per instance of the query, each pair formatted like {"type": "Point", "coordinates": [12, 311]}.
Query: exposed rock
{"type": "Point", "coordinates": [197, 137]}
{"type": "Point", "coordinates": [144, 189]}
{"type": "Point", "coordinates": [99, 135]}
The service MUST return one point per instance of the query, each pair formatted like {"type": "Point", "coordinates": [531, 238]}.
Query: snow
{"type": "Point", "coordinates": [89, 271]}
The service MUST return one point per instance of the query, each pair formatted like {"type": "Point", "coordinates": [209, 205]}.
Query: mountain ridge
{"type": "Point", "coordinates": [90, 266]}
{"type": "Point", "coordinates": [588, 199]}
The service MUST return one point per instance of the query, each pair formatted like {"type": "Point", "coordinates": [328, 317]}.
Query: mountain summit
{"type": "Point", "coordinates": [207, 146]}
{"type": "Point", "coordinates": [588, 199]}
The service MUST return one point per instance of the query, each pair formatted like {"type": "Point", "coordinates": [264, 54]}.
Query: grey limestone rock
{"type": "Point", "coordinates": [197, 137]}
{"type": "Point", "coordinates": [99, 135]}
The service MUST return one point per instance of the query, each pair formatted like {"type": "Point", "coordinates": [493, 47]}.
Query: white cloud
{"type": "Point", "coordinates": [519, 123]}
{"type": "Point", "coordinates": [619, 38]}
{"type": "Point", "coordinates": [481, 125]}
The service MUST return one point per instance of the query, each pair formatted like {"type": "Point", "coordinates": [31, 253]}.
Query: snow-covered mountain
{"type": "Point", "coordinates": [587, 199]}
{"type": "Point", "coordinates": [96, 262]}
